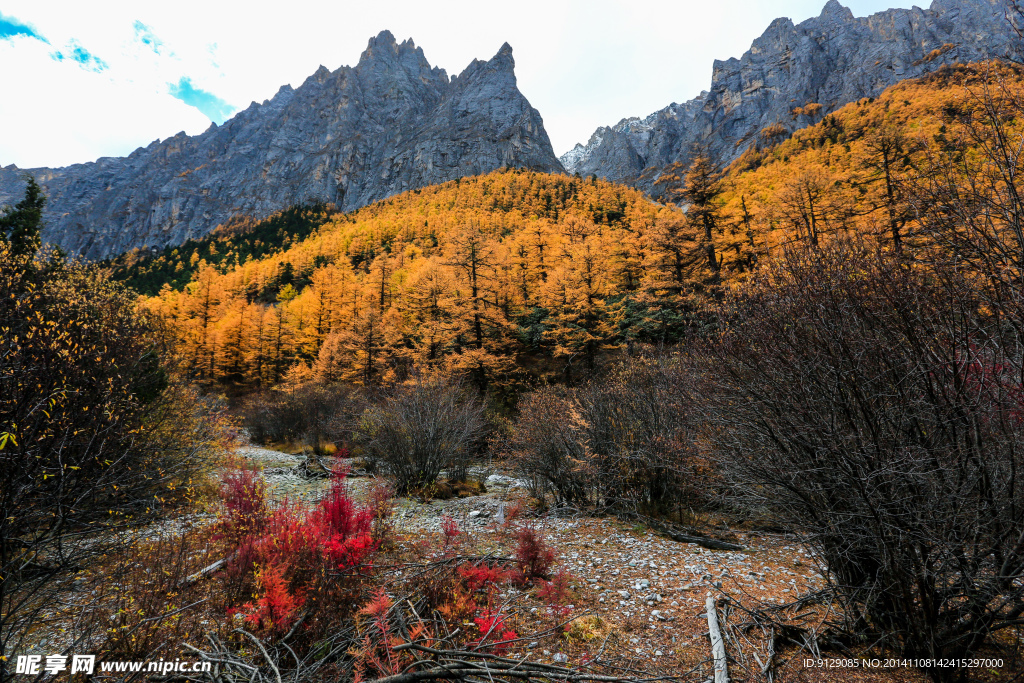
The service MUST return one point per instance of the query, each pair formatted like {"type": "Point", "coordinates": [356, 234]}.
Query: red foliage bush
{"type": "Point", "coordinates": [289, 538]}
{"type": "Point", "coordinates": [493, 627]}
{"type": "Point", "coordinates": [297, 557]}
{"type": "Point", "coordinates": [477, 576]}
{"type": "Point", "coordinates": [450, 530]}
{"type": "Point", "coordinates": [556, 591]}
{"type": "Point", "coordinates": [377, 654]}
{"type": "Point", "coordinates": [338, 516]}
{"type": "Point", "coordinates": [533, 555]}
{"type": "Point", "coordinates": [276, 608]}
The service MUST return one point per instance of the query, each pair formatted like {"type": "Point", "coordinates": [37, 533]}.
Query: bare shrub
{"type": "Point", "coordinates": [422, 429]}
{"type": "Point", "coordinates": [95, 437]}
{"type": "Point", "coordinates": [624, 442]}
{"type": "Point", "coordinates": [312, 414]}
{"type": "Point", "coordinates": [546, 447]}
{"type": "Point", "coordinates": [878, 409]}
{"type": "Point", "coordinates": [147, 600]}
{"type": "Point", "coordinates": [639, 438]}
{"type": "Point", "coordinates": [262, 419]}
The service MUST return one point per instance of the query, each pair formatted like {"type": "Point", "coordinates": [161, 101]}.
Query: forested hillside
{"type": "Point", "coordinates": [482, 276]}
{"type": "Point", "coordinates": [517, 274]}
{"type": "Point", "coordinates": [235, 243]}
{"type": "Point", "coordinates": [861, 169]}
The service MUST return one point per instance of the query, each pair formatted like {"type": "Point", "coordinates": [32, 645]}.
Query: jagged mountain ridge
{"type": "Point", "coordinates": [348, 137]}
{"type": "Point", "coordinates": [832, 60]}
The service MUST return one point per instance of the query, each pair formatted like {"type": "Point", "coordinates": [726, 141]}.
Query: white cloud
{"type": "Point", "coordinates": [57, 113]}
{"type": "Point", "coordinates": [581, 63]}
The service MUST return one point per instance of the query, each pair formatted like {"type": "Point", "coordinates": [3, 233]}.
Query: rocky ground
{"type": "Point", "coordinates": [639, 597]}
{"type": "Point", "coordinates": [648, 591]}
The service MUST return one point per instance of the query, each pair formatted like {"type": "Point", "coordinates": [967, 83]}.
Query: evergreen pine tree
{"type": "Point", "coordinates": [702, 190]}
{"type": "Point", "coordinates": [20, 224]}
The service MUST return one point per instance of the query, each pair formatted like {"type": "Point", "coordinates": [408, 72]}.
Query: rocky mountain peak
{"type": "Point", "coordinates": [319, 76]}
{"type": "Point", "coordinates": [382, 47]}
{"type": "Point", "coordinates": [347, 137]}
{"type": "Point", "coordinates": [835, 11]}
{"type": "Point", "coordinates": [501, 66]}
{"type": "Point", "coordinates": [385, 58]}
{"type": "Point", "coordinates": [832, 59]}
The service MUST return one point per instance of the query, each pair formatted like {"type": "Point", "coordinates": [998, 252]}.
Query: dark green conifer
{"type": "Point", "coordinates": [20, 225]}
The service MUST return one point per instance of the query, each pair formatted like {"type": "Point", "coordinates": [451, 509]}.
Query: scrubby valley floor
{"type": "Point", "coordinates": [636, 599]}
{"type": "Point", "coordinates": [646, 591]}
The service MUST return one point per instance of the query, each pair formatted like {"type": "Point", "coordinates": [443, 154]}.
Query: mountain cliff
{"type": "Point", "coordinates": [348, 137]}
{"type": "Point", "coordinates": [829, 60]}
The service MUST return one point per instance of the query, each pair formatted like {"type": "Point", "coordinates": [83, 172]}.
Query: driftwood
{"type": "Point", "coordinates": [203, 573]}
{"type": "Point", "coordinates": [479, 666]}
{"type": "Point", "coordinates": [313, 468]}
{"type": "Point", "coordinates": [717, 644]}
{"type": "Point", "coordinates": [710, 543]}
{"type": "Point", "coordinates": [760, 630]}
{"type": "Point", "coordinates": [673, 532]}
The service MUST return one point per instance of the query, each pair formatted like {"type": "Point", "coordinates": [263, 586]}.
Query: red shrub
{"type": "Point", "coordinates": [294, 553]}
{"type": "Point", "coordinates": [556, 591]}
{"type": "Point", "coordinates": [344, 531]}
{"type": "Point", "coordinates": [488, 622]}
{"type": "Point", "coordinates": [492, 627]}
{"type": "Point", "coordinates": [337, 516]}
{"type": "Point", "coordinates": [245, 501]}
{"type": "Point", "coordinates": [378, 608]}
{"type": "Point", "coordinates": [348, 553]}
{"type": "Point", "coordinates": [477, 576]}
{"type": "Point", "coordinates": [533, 556]}
{"type": "Point", "coordinates": [458, 606]}
{"type": "Point", "coordinates": [379, 641]}
{"type": "Point", "coordinates": [450, 529]}
{"type": "Point", "coordinates": [276, 607]}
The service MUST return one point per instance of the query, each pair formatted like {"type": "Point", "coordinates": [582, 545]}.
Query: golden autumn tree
{"type": "Point", "coordinates": [580, 288]}
{"type": "Point", "coordinates": [203, 296]}
{"type": "Point", "coordinates": [886, 160]}
{"type": "Point", "coordinates": [811, 202]}
{"type": "Point", "coordinates": [702, 191]}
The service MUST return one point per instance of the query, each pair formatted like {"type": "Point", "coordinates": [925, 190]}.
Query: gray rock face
{"type": "Point", "coordinates": [349, 137]}
{"type": "Point", "coordinates": [831, 60]}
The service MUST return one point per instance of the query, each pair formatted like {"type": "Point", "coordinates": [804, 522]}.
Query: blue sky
{"type": "Point", "coordinates": [105, 81]}
{"type": "Point", "coordinates": [11, 27]}
{"type": "Point", "coordinates": [213, 107]}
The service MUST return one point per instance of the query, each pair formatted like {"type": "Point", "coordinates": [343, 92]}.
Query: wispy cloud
{"type": "Point", "coordinates": [11, 27]}
{"type": "Point", "coordinates": [76, 53]}
{"type": "Point", "coordinates": [213, 107]}
{"type": "Point", "coordinates": [144, 34]}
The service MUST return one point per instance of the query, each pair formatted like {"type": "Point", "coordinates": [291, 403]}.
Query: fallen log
{"type": "Point", "coordinates": [670, 530]}
{"type": "Point", "coordinates": [703, 541]}
{"type": "Point", "coordinates": [717, 644]}
{"type": "Point", "coordinates": [203, 573]}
